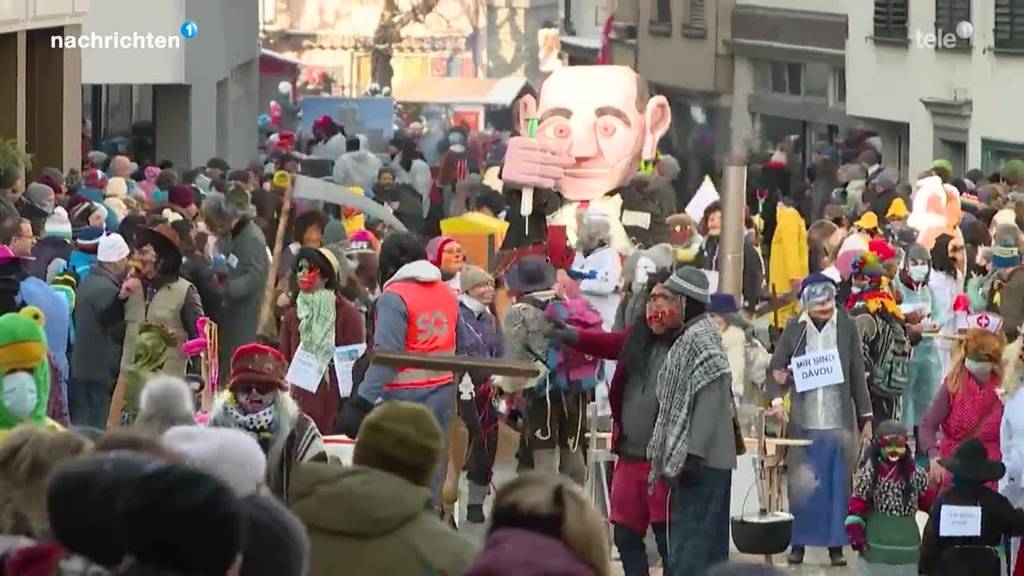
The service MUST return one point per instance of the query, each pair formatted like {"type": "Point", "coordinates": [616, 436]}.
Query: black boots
{"type": "Point", "coordinates": [835, 555]}
{"type": "Point", "coordinates": [796, 555]}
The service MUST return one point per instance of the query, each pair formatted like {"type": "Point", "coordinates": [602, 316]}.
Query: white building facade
{"type": "Point", "coordinates": [953, 89]}
{"type": "Point", "coordinates": [191, 100]}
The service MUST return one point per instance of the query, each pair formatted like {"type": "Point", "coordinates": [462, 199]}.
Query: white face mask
{"type": "Point", "coordinates": [980, 369]}
{"type": "Point", "coordinates": [20, 396]}
{"type": "Point", "coordinates": [919, 272]}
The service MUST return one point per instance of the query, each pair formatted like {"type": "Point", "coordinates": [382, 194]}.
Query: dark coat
{"type": "Point", "coordinates": [322, 407]}
{"type": "Point", "coordinates": [100, 327]}
{"type": "Point", "coordinates": [243, 287]}
{"type": "Point", "coordinates": [967, 556]}
{"type": "Point", "coordinates": [45, 251]}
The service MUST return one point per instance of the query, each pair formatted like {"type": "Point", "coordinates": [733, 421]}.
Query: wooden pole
{"type": "Point", "coordinates": [268, 291]}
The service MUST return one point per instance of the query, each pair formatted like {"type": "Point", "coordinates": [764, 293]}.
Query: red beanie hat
{"type": "Point", "coordinates": [259, 366]}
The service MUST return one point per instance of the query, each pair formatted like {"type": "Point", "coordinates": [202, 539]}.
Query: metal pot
{"type": "Point", "coordinates": [765, 533]}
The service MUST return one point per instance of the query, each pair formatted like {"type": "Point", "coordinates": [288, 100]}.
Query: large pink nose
{"type": "Point", "coordinates": [584, 140]}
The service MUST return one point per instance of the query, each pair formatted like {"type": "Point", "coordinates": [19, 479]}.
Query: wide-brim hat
{"type": "Point", "coordinates": [530, 274]}
{"type": "Point", "coordinates": [970, 462]}
{"type": "Point", "coordinates": [163, 238]}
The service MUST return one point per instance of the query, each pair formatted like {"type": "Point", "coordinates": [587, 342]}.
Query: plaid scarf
{"type": "Point", "coordinates": [316, 311]}
{"type": "Point", "coordinates": [695, 360]}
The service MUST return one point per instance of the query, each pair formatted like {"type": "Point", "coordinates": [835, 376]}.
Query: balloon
{"type": "Point", "coordinates": [285, 88]}
{"type": "Point", "coordinates": [275, 108]}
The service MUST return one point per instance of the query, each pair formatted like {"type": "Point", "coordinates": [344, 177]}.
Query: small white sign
{"type": "Point", "coordinates": [636, 218]}
{"type": "Point", "coordinates": [960, 520]}
{"type": "Point", "coordinates": [344, 360]}
{"type": "Point", "coordinates": [305, 371]}
{"type": "Point", "coordinates": [817, 370]}
{"type": "Point", "coordinates": [702, 198]}
{"type": "Point", "coordinates": [233, 261]}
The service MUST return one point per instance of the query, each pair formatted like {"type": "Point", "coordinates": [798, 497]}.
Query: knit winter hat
{"type": "Point", "coordinates": [117, 187]}
{"type": "Point", "coordinates": [435, 248]}
{"type": "Point", "coordinates": [172, 501]}
{"type": "Point", "coordinates": [51, 179]}
{"type": "Point", "coordinates": [260, 366]}
{"type": "Point", "coordinates": [58, 225]}
{"type": "Point", "coordinates": [1006, 246]}
{"type": "Point", "coordinates": [95, 179]}
{"type": "Point", "coordinates": [275, 540]}
{"type": "Point", "coordinates": [402, 438]}
{"type": "Point", "coordinates": [1004, 216]}
{"type": "Point", "coordinates": [112, 248]}
{"type": "Point", "coordinates": [151, 173]}
{"type": "Point", "coordinates": [41, 196]}
{"type": "Point", "coordinates": [473, 276]}
{"type": "Point", "coordinates": [691, 282]}
{"type": "Point", "coordinates": [229, 454]}
{"type": "Point", "coordinates": [180, 196]}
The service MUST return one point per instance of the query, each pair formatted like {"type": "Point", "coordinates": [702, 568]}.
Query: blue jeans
{"type": "Point", "coordinates": [440, 401]}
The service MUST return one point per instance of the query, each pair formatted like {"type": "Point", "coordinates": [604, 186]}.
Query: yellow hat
{"type": "Point", "coordinates": [868, 221]}
{"type": "Point", "coordinates": [898, 209]}
{"type": "Point", "coordinates": [281, 179]}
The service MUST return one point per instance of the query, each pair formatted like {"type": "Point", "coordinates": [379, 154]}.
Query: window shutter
{"type": "Point", "coordinates": [697, 19]}
{"type": "Point", "coordinates": [949, 13]}
{"type": "Point", "coordinates": [891, 18]}
{"type": "Point", "coordinates": [1009, 29]}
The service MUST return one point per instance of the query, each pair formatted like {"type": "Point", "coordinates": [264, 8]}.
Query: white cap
{"type": "Point", "coordinates": [112, 248]}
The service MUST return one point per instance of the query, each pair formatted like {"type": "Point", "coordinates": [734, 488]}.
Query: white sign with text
{"type": "Point", "coordinates": [817, 370]}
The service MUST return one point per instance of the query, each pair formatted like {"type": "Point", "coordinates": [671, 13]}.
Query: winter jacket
{"type": "Point", "coordinates": [483, 340]}
{"type": "Point", "coordinates": [322, 407]}
{"type": "Point", "coordinates": [367, 522]}
{"type": "Point", "coordinates": [389, 326]}
{"type": "Point", "coordinates": [358, 168]}
{"type": "Point", "coordinates": [519, 552]}
{"type": "Point", "coordinates": [57, 325]}
{"type": "Point", "coordinates": [243, 288]}
{"type": "Point", "coordinates": [99, 329]}
{"type": "Point", "coordinates": [46, 251]}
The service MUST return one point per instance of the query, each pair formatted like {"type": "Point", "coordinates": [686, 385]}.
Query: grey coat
{"type": "Point", "coordinates": [856, 402]}
{"type": "Point", "coordinates": [243, 291]}
{"type": "Point", "coordinates": [99, 329]}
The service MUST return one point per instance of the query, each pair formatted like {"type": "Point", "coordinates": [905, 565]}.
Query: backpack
{"type": "Point", "coordinates": [569, 368]}
{"type": "Point", "coordinates": [889, 358]}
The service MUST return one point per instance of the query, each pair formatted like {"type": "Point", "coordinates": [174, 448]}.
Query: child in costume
{"type": "Point", "coordinates": [25, 370]}
{"type": "Point", "coordinates": [888, 490]}
{"type": "Point", "coordinates": [972, 545]}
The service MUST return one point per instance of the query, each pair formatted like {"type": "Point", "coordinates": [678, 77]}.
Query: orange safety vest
{"type": "Point", "coordinates": [433, 315]}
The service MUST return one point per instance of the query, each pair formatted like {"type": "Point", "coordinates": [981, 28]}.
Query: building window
{"type": "Point", "coordinates": [816, 77]}
{"type": "Point", "coordinates": [696, 21]}
{"type": "Point", "coordinates": [995, 154]}
{"type": "Point", "coordinates": [840, 85]}
{"type": "Point", "coordinates": [1009, 30]}
{"type": "Point", "coordinates": [891, 19]}
{"type": "Point", "coordinates": [787, 78]}
{"type": "Point", "coordinates": [948, 16]}
{"type": "Point", "coordinates": [661, 18]}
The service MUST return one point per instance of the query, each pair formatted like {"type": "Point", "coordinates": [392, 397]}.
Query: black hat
{"type": "Point", "coordinates": [530, 274]}
{"type": "Point", "coordinates": [275, 540]}
{"type": "Point", "coordinates": [970, 462]}
{"type": "Point", "coordinates": [181, 519]}
{"type": "Point", "coordinates": [82, 503]}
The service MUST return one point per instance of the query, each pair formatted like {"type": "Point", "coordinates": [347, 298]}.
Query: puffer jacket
{"type": "Point", "coordinates": [367, 522]}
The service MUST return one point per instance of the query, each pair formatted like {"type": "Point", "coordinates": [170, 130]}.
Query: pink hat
{"type": "Point", "coordinates": [435, 248]}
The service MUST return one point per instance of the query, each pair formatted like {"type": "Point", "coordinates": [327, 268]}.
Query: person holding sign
{"type": "Point", "coordinates": [319, 320]}
{"type": "Point", "coordinates": [818, 362]}
{"type": "Point", "coordinates": [968, 522]}
{"type": "Point", "coordinates": [257, 403]}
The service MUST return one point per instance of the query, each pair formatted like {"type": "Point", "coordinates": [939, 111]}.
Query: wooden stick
{"type": "Point", "coordinates": [282, 226]}
{"type": "Point", "coordinates": [496, 366]}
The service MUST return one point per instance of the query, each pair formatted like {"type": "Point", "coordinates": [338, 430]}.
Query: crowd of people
{"type": "Point", "coordinates": [169, 341]}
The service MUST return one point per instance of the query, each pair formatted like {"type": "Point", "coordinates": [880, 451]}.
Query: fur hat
{"type": "Point", "coordinates": [402, 438]}
{"type": "Point", "coordinates": [260, 366]}
{"type": "Point", "coordinates": [229, 454]}
{"type": "Point", "coordinates": [473, 276]}
{"type": "Point", "coordinates": [171, 501]}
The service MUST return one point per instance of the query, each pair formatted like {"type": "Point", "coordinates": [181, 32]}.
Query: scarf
{"type": "Point", "coordinates": [316, 311]}
{"type": "Point", "coordinates": [261, 425]}
{"type": "Point", "coordinates": [696, 359]}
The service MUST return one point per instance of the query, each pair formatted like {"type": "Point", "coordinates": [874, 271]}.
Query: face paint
{"type": "Point", "coordinates": [20, 396]}
{"type": "Point", "coordinates": [893, 447]}
{"type": "Point", "coordinates": [308, 277]}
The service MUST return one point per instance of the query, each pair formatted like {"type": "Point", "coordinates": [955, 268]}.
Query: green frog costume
{"type": "Point", "coordinates": [25, 370]}
{"type": "Point", "coordinates": [152, 348]}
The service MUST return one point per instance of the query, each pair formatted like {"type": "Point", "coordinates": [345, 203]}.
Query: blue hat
{"type": "Point", "coordinates": [722, 303]}
{"type": "Point", "coordinates": [816, 278]}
